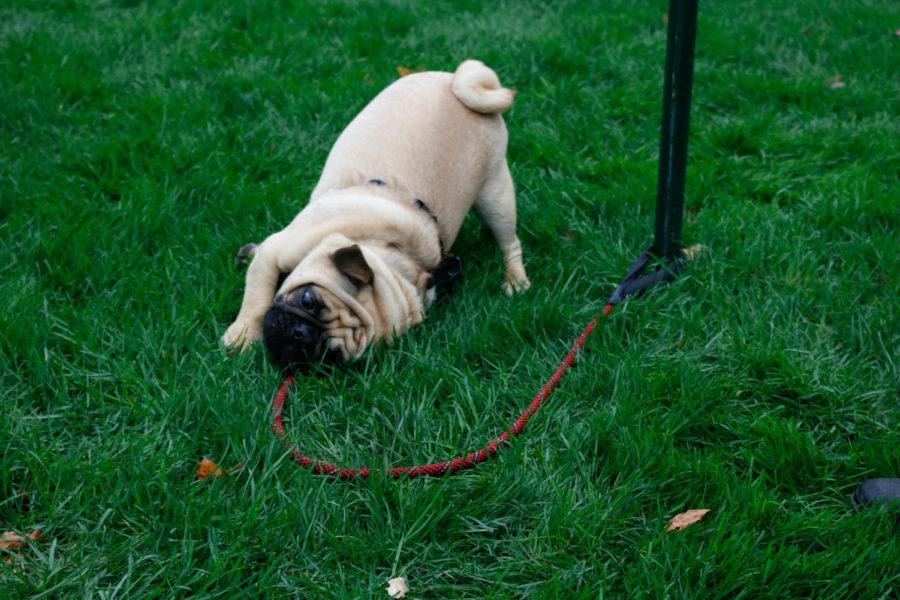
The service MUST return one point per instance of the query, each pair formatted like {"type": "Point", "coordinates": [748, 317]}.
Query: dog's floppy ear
{"type": "Point", "coordinates": [351, 262]}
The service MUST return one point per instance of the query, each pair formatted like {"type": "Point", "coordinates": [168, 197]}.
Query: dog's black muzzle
{"type": "Point", "coordinates": [292, 336]}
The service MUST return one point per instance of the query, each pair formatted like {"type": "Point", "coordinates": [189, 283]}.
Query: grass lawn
{"type": "Point", "coordinates": [142, 143]}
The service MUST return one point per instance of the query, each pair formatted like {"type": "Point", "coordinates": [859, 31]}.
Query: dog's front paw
{"type": "Point", "coordinates": [240, 335]}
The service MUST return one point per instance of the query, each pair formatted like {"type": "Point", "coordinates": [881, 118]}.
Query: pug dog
{"type": "Point", "coordinates": [355, 266]}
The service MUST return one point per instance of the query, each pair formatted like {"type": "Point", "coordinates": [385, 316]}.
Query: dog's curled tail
{"type": "Point", "coordinates": [479, 89]}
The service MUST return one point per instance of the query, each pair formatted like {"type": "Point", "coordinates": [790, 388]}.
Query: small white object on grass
{"type": "Point", "coordinates": [397, 587]}
{"type": "Point", "coordinates": [691, 252]}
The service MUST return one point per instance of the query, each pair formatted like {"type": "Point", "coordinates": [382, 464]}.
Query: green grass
{"type": "Point", "coordinates": [142, 144]}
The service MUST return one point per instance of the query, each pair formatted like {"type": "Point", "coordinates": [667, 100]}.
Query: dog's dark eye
{"type": "Point", "coordinates": [308, 300]}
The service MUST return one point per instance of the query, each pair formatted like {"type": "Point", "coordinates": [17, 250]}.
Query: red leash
{"type": "Point", "coordinates": [448, 466]}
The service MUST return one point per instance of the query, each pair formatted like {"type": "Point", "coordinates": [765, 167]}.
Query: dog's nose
{"type": "Point", "coordinates": [290, 339]}
{"type": "Point", "coordinates": [303, 333]}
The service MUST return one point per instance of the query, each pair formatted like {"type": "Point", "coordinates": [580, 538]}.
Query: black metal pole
{"type": "Point", "coordinates": [677, 83]}
{"type": "Point", "coordinates": [679, 76]}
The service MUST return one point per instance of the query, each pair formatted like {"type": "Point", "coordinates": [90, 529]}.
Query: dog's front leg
{"type": "Point", "coordinates": [259, 289]}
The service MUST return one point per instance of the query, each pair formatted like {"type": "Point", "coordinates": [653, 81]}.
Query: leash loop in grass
{"type": "Point", "coordinates": [436, 469]}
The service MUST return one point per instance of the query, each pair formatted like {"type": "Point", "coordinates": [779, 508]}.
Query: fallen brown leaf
{"type": "Point", "coordinates": [10, 540]}
{"type": "Point", "coordinates": [404, 71]}
{"type": "Point", "coordinates": [682, 520]}
{"type": "Point", "coordinates": [836, 83]}
{"type": "Point", "coordinates": [207, 468]}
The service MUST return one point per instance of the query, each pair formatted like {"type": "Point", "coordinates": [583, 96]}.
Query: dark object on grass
{"type": "Point", "coordinates": [877, 491]}
{"type": "Point", "coordinates": [679, 76]}
{"type": "Point", "coordinates": [636, 281]}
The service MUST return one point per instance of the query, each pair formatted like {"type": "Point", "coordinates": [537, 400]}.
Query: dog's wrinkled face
{"type": "Point", "coordinates": [308, 322]}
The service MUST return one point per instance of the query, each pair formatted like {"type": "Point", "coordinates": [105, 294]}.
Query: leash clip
{"type": "Point", "coordinates": [636, 283]}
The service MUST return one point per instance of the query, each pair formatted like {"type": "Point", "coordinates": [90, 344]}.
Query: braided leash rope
{"type": "Point", "coordinates": [441, 468]}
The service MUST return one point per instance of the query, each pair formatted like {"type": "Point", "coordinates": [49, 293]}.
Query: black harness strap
{"type": "Point", "coordinates": [448, 274]}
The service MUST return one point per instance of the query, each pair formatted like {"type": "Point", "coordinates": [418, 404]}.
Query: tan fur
{"type": "Point", "coordinates": [423, 138]}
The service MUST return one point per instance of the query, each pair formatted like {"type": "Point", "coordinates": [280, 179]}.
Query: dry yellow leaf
{"type": "Point", "coordinates": [207, 468]}
{"type": "Point", "coordinates": [682, 520]}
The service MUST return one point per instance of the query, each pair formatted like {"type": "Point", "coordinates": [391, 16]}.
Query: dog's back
{"type": "Point", "coordinates": [436, 136]}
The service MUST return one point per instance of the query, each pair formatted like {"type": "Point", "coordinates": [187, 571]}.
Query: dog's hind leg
{"type": "Point", "coordinates": [496, 205]}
